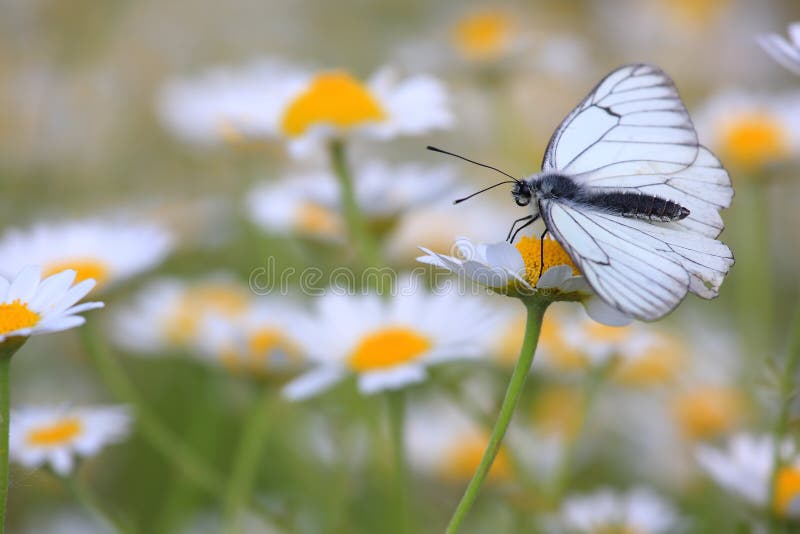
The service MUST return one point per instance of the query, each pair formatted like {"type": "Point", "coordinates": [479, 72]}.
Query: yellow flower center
{"type": "Point", "coordinates": [15, 315]}
{"type": "Point", "coordinates": [464, 458]}
{"type": "Point", "coordinates": [85, 268]}
{"type": "Point", "coordinates": [754, 139]}
{"type": "Point", "coordinates": [706, 412]}
{"type": "Point", "coordinates": [698, 13]}
{"type": "Point", "coordinates": [787, 489]}
{"type": "Point", "coordinates": [267, 350]}
{"type": "Point", "coordinates": [559, 411]}
{"type": "Point", "coordinates": [606, 334]}
{"type": "Point", "coordinates": [658, 364]}
{"type": "Point", "coordinates": [335, 99]}
{"type": "Point", "coordinates": [224, 299]}
{"type": "Point", "coordinates": [311, 218]}
{"type": "Point", "coordinates": [387, 348]}
{"type": "Point", "coordinates": [482, 36]}
{"type": "Point", "coordinates": [554, 254]}
{"type": "Point", "coordinates": [58, 433]}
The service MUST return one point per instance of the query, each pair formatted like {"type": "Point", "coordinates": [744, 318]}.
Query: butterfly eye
{"type": "Point", "coordinates": [522, 201]}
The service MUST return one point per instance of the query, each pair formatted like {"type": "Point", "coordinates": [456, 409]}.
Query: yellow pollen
{"type": "Point", "coordinates": [707, 412]}
{"type": "Point", "coordinates": [56, 434]}
{"type": "Point", "coordinates": [787, 489]}
{"type": "Point", "coordinates": [84, 267]}
{"type": "Point", "coordinates": [754, 140]}
{"type": "Point", "coordinates": [15, 315]}
{"type": "Point", "coordinates": [221, 298]}
{"type": "Point", "coordinates": [314, 219]}
{"type": "Point", "coordinates": [335, 99]}
{"type": "Point", "coordinates": [554, 254]}
{"type": "Point", "coordinates": [464, 458]}
{"type": "Point", "coordinates": [387, 348]}
{"type": "Point", "coordinates": [483, 36]}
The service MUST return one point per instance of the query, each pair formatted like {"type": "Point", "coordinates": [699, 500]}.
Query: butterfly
{"type": "Point", "coordinates": [632, 196]}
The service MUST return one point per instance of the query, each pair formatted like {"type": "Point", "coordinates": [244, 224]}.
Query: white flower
{"type": "Point", "coordinates": [784, 51]}
{"type": "Point", "coordinates": [168, 313]}
{"type": "Point", "coordinates": [228, 104]}
{"type": "Point", "coordinates": [745, 469]}
{"type": "Point", "coordinates": [107, 252]}
{"type": "Point", "coordinates": [514, 270]}
{"type": "Point", "coordinates": [387, 342]}
{"type": "Point", "coordinates": [262, 341]}
{"type": "Point", "coordinates": [751, 131]}
{"type": "Point", "coordinates": [57, 435]}
{"type": "Point", "coordinates": [273, 100]}
{"type": "Point", "coordinates": [309, 204]}
{"type": "Point", "coordinates": [639, 510]}
{"type": "Point", "coordinates": [298, 206]}
{"type": "Point", "coordinates": [30, 305]}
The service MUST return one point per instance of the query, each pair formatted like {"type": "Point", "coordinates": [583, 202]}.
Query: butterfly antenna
{"type": "Point", "coordinates": [434, 149]}
{"type": "Point", "coordinates": [482, 190]}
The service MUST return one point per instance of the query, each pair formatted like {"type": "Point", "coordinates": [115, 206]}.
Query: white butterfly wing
{"type": "Point", "coordinates": [640, 268]}
{"type": "Point", "coordinates": [633, 133]}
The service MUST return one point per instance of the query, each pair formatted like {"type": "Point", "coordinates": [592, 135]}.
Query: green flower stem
{"type": "Point", "coordinates": [533, 326]}
{"type": "Point", "coordinates": [755, 288]}
{"type": "Point", "coordinates": [7, 350]}
{"type": "Point", "coordinates": [154, 431]}
{"type": "Point", "coordinates": [787, 392]}
{"type": "Point", "coordinates": [397, 409]}
{"type": "Point", "coordinates": [82, 494]}
{"type": "Point", "coordinates": [247, 457]}
{"type": "Point", "coordinates": [356, 223]}
{"type": "Point", "coordinates": [5, 368]}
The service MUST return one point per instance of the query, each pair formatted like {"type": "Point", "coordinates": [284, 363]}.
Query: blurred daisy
{"type": "Point", "coordinates": [705, 411]}
{"type": "Point", "coordinates": [606, 511]}
{"type": "Point", "coordinates": [30, 305]}
{"type": "Point", "coordinates": [168, 313]}
{"type": "Point", "coordinates": [107, 252]}
{"type": "Point", "coordinates": [58, 435]}
{"type": "Point", "coordinates": [263, 342]}
{"type": "Point", "coordinates": [784, 51]}
{"type": "Point", "coordinates": [271, 99]}
{"type": "Point", "coordinates": [298, 206]}
{"type": "Point", "coordinates": [334, 104]}
{"type": "Point", "coordinates": [387, 343]}
{"type": "Point", "coordinates": [745, 469]}
{"type": "Point", "coordinates": [513, 270]}
{"type": "Point", "coordinates": [309, 204]}
{"type": "Point", "coordinates": [751, 131]}
{"type": "Point", "coordinates": [227, 104]}
{"type": "Point", "coordinates": [486, 35]}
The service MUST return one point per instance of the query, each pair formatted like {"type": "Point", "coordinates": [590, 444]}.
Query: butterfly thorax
{"type": "Point", "coordinates": [554, 186]}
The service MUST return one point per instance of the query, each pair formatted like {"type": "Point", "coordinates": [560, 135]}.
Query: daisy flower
{"type": "Point", "coordinates": [58, 435]}
{"type": "Point", "coordinates": [513, 270]}
{"type": "Point", "coordinates": [387, 343]}
{"type": "Point", "coordinates": [273, 100]}
{"type": "Point", "coordinates": [263, 342]}
{"type": "Point", "coordinates": [784, 51]}
{"type": "Point", "coordinates": [303, 206]}
{"type": "Point", "coordinates": [310, 204]}
{"type": "Point", "coordinates": [168, 314]}
{"type": "Point", "coordinates": [226, 104]}
{"type": "Point", "coordinates": [752, 131]}
{"type": "Point", "coordinates": [745, 469]}
{"type": "Point", "coordinates": [487, 35]}
{"type": "Point", "coordinates": [107, 252]}
{"type": "Point", "coordinates": [31, 306]}
{"type": "Point", "coordinates": [638, 510]}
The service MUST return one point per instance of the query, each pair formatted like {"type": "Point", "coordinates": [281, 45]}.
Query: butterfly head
{"type": "Point", "coordinates": [522, 193]}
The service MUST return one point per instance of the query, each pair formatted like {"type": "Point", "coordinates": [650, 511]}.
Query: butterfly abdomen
{"type": "Point", "coordinates": [639, 206]}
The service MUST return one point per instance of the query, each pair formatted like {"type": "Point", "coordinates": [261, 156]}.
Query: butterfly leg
{"type": "Point", "coordinates": [541, 252]}
{"type": "Point", "coordinates": [512, 234]}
